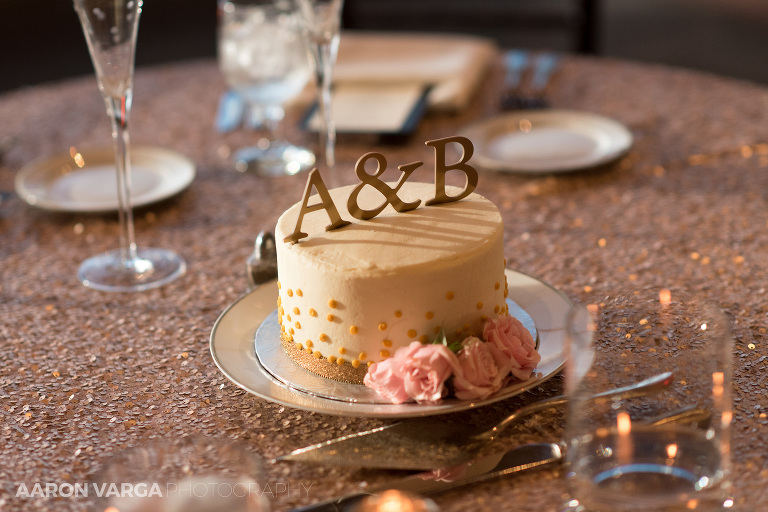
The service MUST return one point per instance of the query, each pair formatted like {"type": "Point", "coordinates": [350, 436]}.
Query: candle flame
{"type": "Point", "coordinates": [671, 451]}
{"type": "Point", "coordinates": [623, 423]}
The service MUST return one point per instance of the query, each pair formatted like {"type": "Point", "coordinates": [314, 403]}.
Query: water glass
{"type": "Point", "coordinates": [190, 474]}
{"type": "Point", "coordinates": [619, 457]}
{"type": "Point", "coordinates": [263, 57]}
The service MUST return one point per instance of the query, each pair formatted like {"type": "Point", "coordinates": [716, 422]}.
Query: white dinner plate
{"type": "Point", "coordinates": [86, 180]}
{"type": "Point", "coordinates": [547, 141]}
{"type": "Point", "coordinates": [232, 348]}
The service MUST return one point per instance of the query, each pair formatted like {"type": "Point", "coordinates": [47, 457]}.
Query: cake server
{"type": "Point", "coordinates": [430, 443]}
{"type": "Point", "coordinates": [518, 459]}
{"type": "Point", "coordinates": [521, 458]}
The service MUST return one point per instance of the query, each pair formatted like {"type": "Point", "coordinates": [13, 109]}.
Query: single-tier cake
{"type": "Point", "coordinates": [352, 296]}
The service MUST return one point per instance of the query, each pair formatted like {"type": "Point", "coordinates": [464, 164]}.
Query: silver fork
{"type": "Point", "coordinates": [521, 95]}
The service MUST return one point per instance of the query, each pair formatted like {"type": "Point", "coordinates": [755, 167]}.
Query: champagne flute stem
{"type": "Point", "coordinates": [325, 79]}
{"type": "Point", "coordinates": [119, 108]}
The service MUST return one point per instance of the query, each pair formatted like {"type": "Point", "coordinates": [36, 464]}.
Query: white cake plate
{"type": "Point", "coordinates": [232, 348]}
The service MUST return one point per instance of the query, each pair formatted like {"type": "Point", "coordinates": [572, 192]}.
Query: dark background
{"type": "Point", "coordinates": [41, 40]}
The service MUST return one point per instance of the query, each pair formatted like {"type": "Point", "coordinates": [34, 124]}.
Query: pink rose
{"type": "Point", "coordinates": [478, 376]}
{"type": "Point", "coordinates": [383, 379]}
{"type": "Point", "coordinates": [417, 371]}
{"type": "Point", "coordinates": [447, 474]}
{"type": "Point", "coordinates": [512, 345]}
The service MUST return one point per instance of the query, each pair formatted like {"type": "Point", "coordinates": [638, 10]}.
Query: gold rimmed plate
{"type": "Point", "coordinates": [238, 351]}
{"type": "Point", "coordinates": [547, 141]}
{"type": "Point", "coordinates": [85, 180]}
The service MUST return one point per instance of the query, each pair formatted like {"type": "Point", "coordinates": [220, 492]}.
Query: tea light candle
{"type": "Point", "coordinates": [397, 501]}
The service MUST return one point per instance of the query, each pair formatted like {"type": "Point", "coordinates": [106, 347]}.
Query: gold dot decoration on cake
{"type": "Point", "coordinates": [411, 333]}
{"type": "Point", "coordinates": [296, 311]}
{"type": "Point", "coordinates": [353, 329]}
{"type": "Point", "coordinates": [430, 315]}
{"type": "Point", "coordinates": [299, 293]}
{"type": "Point", "coordinates": [398, 313]}
{"type": "Point", "coordinates": [386, 343]}
{"type": "Point", "coordinates": [331, 359]}
{"type": "Point", "coordinates": [323, 337]}
{"type": "Point", "coordinates": [291, 331]}
{"type": "Point", "coordinates": [449, 295]}
{"type": "Point", "coordinates": [497, 285]}
{"type": "Point", "coordinates": [333, 304]}
{"type": "Point", "coordinates": [362, 356]}
{"type": "Point", "coordinates": [317, 354]}
{"type": "Point", "coordinates": [309, 343]}
{"type": "Point", "coordinates": [288, 317]}
{"type": "Point", "coordinates": [340, 361]}
{"type": "Point", "coordinates": [496, 309]}
{"type": "Point", "coordinates": [279, 285]}
{"type": "Point", "coordinates": [342, 350]}
{"type": "Point", "coordinates": [289, 292]}
{"type": "Point", "coordinates": [423, 338]}
{"type": "Point", "coordinates": [312, 312]}
{"type": "Point", "coordinates": [309, 350]}
{"type": "Point", "coordinates": [382, 326]}
{"type": "Point", "coordinates": [300, 346]}
{"type": "Point", "coordinates": [484, 318]}
{"type": "Point", "coordinates": [297, 324]}
{"type": "Point", "coordinates": [479, 305]}
{"type": "Point", "coordinates": [384, 353]}
{"type": "Point", "coordinates": [355, 363]}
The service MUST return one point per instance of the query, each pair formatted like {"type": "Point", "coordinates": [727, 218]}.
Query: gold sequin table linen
{"type": "Point", "coordinates": [84, 374]}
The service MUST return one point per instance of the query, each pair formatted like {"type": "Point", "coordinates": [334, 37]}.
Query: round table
{"type": "Point", "coordinates": [84, 373]}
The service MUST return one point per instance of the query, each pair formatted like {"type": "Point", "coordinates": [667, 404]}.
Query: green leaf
{"type": "Point", "coordinates": [442, 339]}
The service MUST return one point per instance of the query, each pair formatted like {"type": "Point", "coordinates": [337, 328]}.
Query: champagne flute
{"type": "Point", "coordinates": [110, 28]}
{"type": "Point", "coordinates": [263, 58]}
{"type": "Point", "coordinates": [321, 20]}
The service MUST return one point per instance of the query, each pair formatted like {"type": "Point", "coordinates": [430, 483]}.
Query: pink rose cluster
{"type": "Point", "coordinates": [479, 368]}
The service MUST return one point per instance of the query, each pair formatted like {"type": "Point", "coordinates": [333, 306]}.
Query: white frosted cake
{"type": "Point", "coordinates": [351, 296]}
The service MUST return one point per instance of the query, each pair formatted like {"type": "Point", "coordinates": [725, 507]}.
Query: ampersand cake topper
{"type": "Point", "coordinates": [389, 193]}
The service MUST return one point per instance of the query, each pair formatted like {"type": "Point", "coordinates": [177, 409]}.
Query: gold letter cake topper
{"type": "Point", "coordinates": [441, 168]}
{"type": "Point", "coordinates": [326, 203]}
{"type": "Point", "coordinates": [389, 193]}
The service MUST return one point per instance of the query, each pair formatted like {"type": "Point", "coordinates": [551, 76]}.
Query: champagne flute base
{"type": "Point", "coordinates": [152, 268]}
{"type": "Point", "coordinates": [277, 159]}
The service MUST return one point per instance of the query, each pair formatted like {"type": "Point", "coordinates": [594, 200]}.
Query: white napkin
{"type": "Point", "coordinates": [454, 64]}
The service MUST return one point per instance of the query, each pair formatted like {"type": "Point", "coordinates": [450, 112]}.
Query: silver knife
{"type": "Point", "coordinates": [518, 459]}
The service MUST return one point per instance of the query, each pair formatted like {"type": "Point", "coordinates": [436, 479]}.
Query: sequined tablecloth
{"type": "Point", "coordinates": [84, 374]}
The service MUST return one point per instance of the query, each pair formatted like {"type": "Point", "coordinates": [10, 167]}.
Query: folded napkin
{"type": "Point", "coordinates": [453, 64]}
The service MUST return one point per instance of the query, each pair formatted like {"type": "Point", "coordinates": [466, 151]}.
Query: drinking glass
{"type": "Point", "coordinates": [189, 474]}
{"type": "Point", "coordinates": [619, 458]}
{"type": "Point", "coordinates": [321, 21]}
{"type": "Point", "coordinates": [110, 28]}
{"type": "Point", "coordinates": [263, 58]}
